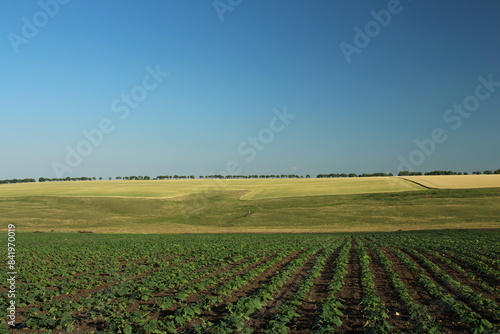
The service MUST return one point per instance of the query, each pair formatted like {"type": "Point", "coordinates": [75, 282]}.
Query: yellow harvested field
{"type": "Point", "coordinates": [335, 186]}
{"type": "Point", "coordinates": [456, 181]}
{"type": "Point", "coordinates": [251, 189]}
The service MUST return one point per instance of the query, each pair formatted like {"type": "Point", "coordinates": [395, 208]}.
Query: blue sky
{"type": "Point", "coordinates": [64, 63]}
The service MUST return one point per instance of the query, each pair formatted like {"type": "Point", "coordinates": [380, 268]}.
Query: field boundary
{"type": "Point", "coordinates": [455, 181]}
{"type": "Point", "coordinates": [418, 183]}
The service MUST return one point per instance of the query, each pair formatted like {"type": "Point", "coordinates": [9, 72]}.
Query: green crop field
{"type": "Point", "coordinates": [212, 206]}
{"type": "Point", "coordinates": [409, 282]}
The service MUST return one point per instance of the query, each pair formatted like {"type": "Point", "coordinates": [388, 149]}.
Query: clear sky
{"type": "Point", "coordinates": [253, 87]}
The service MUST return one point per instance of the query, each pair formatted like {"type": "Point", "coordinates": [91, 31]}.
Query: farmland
{"type": "Point", "coordinates": [439, 282]}
{"type": "Point", "coordinates": [251, 188]}
{"type": "Point", "coordinates": [243, 206]}
{"type": "Point", "coordinates": [380, 255]}
{"type": "Point", "coordinates": [456, 181]}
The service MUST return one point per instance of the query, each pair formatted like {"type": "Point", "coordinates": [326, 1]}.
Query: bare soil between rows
{"type": "Point", "coordinates": [351, 293]}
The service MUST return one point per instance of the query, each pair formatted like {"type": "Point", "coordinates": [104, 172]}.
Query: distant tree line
{"type": "Point", "coordinates": [487, 172]}
{"type": "Point", "coordinates": [270, 176]}
{"type": "Point", "coordinates": [44, 179]}
{"type": "Point", "coordinates": [174, 177]}
{"type": "Point", "coordinates": [447, 172]}
{"type": "Point", "coordinates": [17, 181]}
{"type": "Point", "coordinates": [337, 175]}
{"type": "Point", "coordinates": [255, 176]}
{"type": "Point", "coordinates": [133, 177]}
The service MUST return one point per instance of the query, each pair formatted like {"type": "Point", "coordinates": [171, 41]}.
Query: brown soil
{"type": "Point", "coordinates": [352, 293]}
{"type": "Point", "coordinates": [490, 280]}
{"type": "Point", "coordinates": [260, 320]}
{"type": "Point", "coordinates": [216, 313]}
{"type": "Point", "coordinates": [450, 289]}
{"type": "Point", "coordinates": [309, 310]}
{"type": "Point", "coordinates": [461, 277]}
{"type": "Point", "coordinates": [442, 317]}
{"type": "Point", "coordinates": [398, 317]}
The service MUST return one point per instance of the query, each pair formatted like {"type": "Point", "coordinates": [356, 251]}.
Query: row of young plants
{"type": "Point", "coordinates": [56, 269]}
{"type": "Point", "coordinates": [486, 306]}
{"type": "Point", "coordinates": [468, 254]}
{"type": "Point", "coordinates": [424, 322]}
{"type": "Point", "coordinates": [287, 311]}
{"type": "Point", "coordinates": [182, 287]}
{"type": "Point", "coordinates": [474, 249]}
{"type": "Point", "coordinates": [52, 288]}
{"type": "Point", "coordinates": [119, 284]}
{"type": "Point", "coordinates": [461, 247]}
{"type": "Point", "coordinates": [477, 265]}
{"type": "Point", "coordinates": [493, 262]}
{"type": "Point", "coordinates": [330, 318]}
{"type": "Point", "coordinates": [464, 314]}
{"type": "Point", "coordinates": [478, 280]}
{"type": "Point", "coordinates": [241, 310]}
{"type": "Point", "coordinates": [374, 310]}
{"type": "Point", "coordinates": [147, 281]}
{"type": "Point", "coordinates": [183, 292]}
{"type": "Point", "coordinates": [126, 291]}
{"type": "Point", "coordinates": [464, 292]}
{"type": "Point", "coordinates": [190, 312]}
{"type": "Point", "coordinates": [96, 306]}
